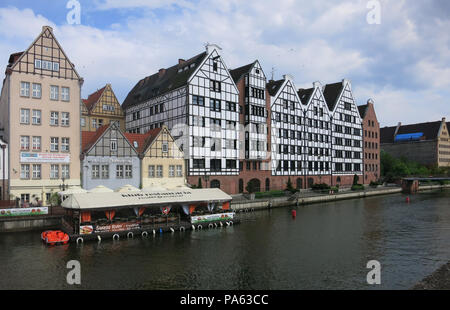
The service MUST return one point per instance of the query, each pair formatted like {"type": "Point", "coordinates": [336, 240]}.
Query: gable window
{"type": "Point", "coordinates": [215, 65]}
{"type": "Point", "coordinates": [347, 106]}
{"type": "Point", "coordinates": [165, 147]}
{"type": "Point", "coordinates": [37, 90]}
{"type": "Point", "coordinates": [113, 144]}
{"type": "Point", "coordinates": [24, 89]}
{"type": "Point", "coordinates": [215, 86]}
{"type": "Point", "coordinates": [54, 92]}
{"type": "Point", "coordinates": [108, 107]}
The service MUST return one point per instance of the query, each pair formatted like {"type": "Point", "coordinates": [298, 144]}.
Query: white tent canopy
{"type": "Point", "coordinates": [73, 190]}
{"type": "Point", "coordinates": [101, 189]}
{"type": "Point", "coordinates": [92, 201]}
{"type": "Point", "coordinates": [127, 188]}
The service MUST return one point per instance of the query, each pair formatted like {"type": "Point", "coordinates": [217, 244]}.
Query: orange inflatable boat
{"type": "Point", "coordinates": [55, 237]}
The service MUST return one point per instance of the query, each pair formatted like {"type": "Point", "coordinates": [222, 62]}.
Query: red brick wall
{"type": "Point", "coordinates": [371, 145]}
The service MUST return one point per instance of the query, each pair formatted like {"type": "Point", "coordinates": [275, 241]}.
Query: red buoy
{"type": "Point", "coordinates": [294, 214]}
{"type": "Point", "coordinates": [407, 200]}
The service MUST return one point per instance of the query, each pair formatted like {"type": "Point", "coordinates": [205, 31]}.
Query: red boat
{"type": "Point", "coordinates": [55, 237]}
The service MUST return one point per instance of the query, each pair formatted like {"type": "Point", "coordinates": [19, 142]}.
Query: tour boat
{"type": "Point", "coordinates": [55, 237]}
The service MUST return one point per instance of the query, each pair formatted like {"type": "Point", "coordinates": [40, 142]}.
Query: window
{"type": "Point", "coordinates": [215, 66]}
{"type": "Point", "coordinates": [54, 144]}
{"type": "Point", "coordinates": [197, 100]}
{"type": "Point", "coordinates": [215, 105]}
{"type": "Point", "coordinates": [24, 116]}
{"type": "Point", "coordinates": [54, 92]}
{"type": "Point", "coordinates": [36, 143]}
{"type": "Point", "coordinates": [65, 119]}
{"type": "Point", "coordinates": [65, 171]}
{"type": "Point", "coordinates": [108, 107]}
{"type": "Point", "coordinates": [215, 86]}
{"type": "Point", "coordinates": [24, 143]}
{"type": "Point", "coordinates": [105, 171]}
{"type": "Point", "coordinates": [96, 172]}
{"type": "Point", "coordinates": [347, 106]}
{"type": "Point", "coordinates": [171, 171]}
{"type": "Point", "coordinates": [36, 171]}
{"type": "Point", "coordinates": [179, 170]}
{"type": "Point", "coordinates": [159, 171]}
{"type": "Point", "coordinates": [24, 171]}
{"type": "Point", "coordinates": [231, 164]}
{"type": "Point", "coordinates": [54, 172]}
{"type": "Point", "coordinates": [24, 89]}
{"type": "Point", "coordinates": [128, 171]}
{"type": "Point", "coordinates": [65, 145]}
{"type": "Point", "coordinates": [151, 171]}
{"type": "Point", "coordinates": [165, 147]}
{"type": "Point", "coordinates": [198, 163]}
{"type": "Point", "coordinates": [231, 106]}
{"type": "Point", "coordinates": [215, 164]}
{"type": "Point", "coordinates": [83, 122]}
{"type": "Point", "coordinates": [119, 171]}
{"type": "Point", "coordinates": [37, 90]}
{"type": "Point", "coordinates": [54, 116]}
{"type": "Point", "coordinates": [215, 124]}
{"type": "Point", "coordinates": [65, 93]}
{"type": "Point", "coordinates": [94, 123]}
{"type": "Point", "coordinates": [113, 145]}
{"type": "Point", "coordinates": [36, 120]}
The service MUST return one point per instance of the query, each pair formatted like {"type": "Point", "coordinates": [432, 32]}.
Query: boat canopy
{"type": "Point", "coordinates": [94, 201]}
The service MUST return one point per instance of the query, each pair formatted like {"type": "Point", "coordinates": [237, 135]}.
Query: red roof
{"type": "Point", "coordinates": [93, 98]}
{"type": "Point", "coordinates": [143, 140]}
{"type": "Point", "coordinates": [88, 138]}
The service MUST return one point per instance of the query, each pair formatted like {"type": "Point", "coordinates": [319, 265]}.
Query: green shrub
{"type": "Point", "coordinates": [289, 186]}
{"type": "Point", "coordinates": [358, 187]}
{"type": "Point", "coordinates": [273, 193]}
{"type": "Point", "coordinates": [319, 187]}
{"type": "Point", "coordinates": [335, 189]}
{"type": "Point", "coordinates": [374, 184]}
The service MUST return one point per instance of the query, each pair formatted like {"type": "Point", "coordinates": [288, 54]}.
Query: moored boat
{"type": "Point", "coordinates": [55, 237]}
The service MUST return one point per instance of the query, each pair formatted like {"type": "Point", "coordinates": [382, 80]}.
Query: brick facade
{"type": "Point", "coordinates": [371, 140]}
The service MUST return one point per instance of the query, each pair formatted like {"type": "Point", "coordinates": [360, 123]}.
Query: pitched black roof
{"type": "Point", "coordinates": [362, 109]}
{"type": "Point", "coordinates": [274, 86]}
{"type": "Point", "coordinates": [331, 94]}
{"type": "Point", "coordinates": [239, 72]}
{"type": "Point", "coordinates": [430, 131]}
{"type": "Point", "coordinates": [305, 95]}
{"type": "Point", "coordinates": [156, 84]}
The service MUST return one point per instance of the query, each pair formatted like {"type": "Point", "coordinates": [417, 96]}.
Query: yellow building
{"type": "Point", "coordinates": [162, 161]}
{"type": "Point", "coordinates": [40, 111]}
{"type": "Point", "coordinates": [101, 108]}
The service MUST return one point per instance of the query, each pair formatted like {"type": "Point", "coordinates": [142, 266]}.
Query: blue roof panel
{"type": "Point", "coordinates": [409, 137]}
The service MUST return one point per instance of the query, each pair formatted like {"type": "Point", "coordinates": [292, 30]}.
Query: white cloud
{"type": "Point", "coordinates": [132, 4]}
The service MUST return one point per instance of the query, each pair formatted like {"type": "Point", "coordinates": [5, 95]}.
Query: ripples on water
{"type": "Point", "coordinates": [326, 247]}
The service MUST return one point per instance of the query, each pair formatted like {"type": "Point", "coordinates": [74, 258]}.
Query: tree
{"type": "Point", "coordinates": [199, 183]}
{"type": "Point", "coordinates": [355, 179]}
{"type": "Point", "coordinates": [289, 186]}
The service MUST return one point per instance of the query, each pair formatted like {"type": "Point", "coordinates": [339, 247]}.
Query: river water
{"type": "Point", "coordinates": [326, 247]}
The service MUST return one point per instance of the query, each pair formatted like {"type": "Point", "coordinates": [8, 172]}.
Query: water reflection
{"type": "Point", "coordinates": [327, 246]}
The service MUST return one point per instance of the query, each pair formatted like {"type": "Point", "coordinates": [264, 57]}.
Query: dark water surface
{"type": "Point", "coordinates": [326, 247]}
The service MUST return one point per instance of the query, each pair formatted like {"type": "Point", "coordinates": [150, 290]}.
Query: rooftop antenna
{"type": "Point", "coordinates": [273, 73]}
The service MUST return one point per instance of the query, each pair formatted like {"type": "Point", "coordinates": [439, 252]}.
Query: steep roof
{"type": "Point", "coordinates": [159, 83]}
{"type": "Point", "coordinates": [430, 131]}
{"type": "Point", "coordinates": [93, 98]}
{"type": "Point", "coordinates": [305, 95]}
{"type": "Point", "coordinates": [88, 138]}
{"type": "Point", "coordinates": [143, 140]}
{"type": "Point", "coordinates": [274, 86]}
{"type": "Point", "coordinates": [362, 109]}
{"type": "Point", "coordinates": [331, 93]}
{"type": "Point", "coordinates": [238, 73]}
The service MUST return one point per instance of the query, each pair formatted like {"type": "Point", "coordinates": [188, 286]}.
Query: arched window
{"type": "Point", "coordinates": [310, 182]}
{"type": "Point", "coordinates": [241, 186]}
{"type": "Point", "coordinates": [215, 184]}
{"type": "Point", "coordinates": [267, 184]}
{"type": "Point", "coordinates": [254, 186]}
{"type": "Point", "coordinates": [338, 179]}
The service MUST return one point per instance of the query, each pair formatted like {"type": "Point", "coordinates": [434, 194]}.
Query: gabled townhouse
{"type": "Point", "coordinates": [347, 142]}
{"type": "Point", "coordinates": [287, 133]}
{"type": "Point", "coordinates": [40, 111]}
{"type": "Point", "coordinates": [162, 161]}
{"type": "Point", "coordinates": [317, 136]}
{"type": "Point", "coordinates": [371, 140]}
{"type": "Point", "coordinates": [101, 108]}
{"type": "Point", "coordinates": [108, 158]}
{"type": "Point", "coordinates": [197, 100]}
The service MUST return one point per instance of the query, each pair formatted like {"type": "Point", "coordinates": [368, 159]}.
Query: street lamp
{"type": "Point", "coordinates": [62, 186]}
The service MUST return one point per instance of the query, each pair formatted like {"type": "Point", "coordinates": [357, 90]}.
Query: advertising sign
{"type": "Point", "coordinates": [86, 230]}
{"type": "Point", "coordinates": [211, 218]}
{"type": "Point", "coordinates": [23, 211]}
{"type": "Point", "coordinates": [117, 227]}
{"type": "Point", "coordinates": [44, 158]}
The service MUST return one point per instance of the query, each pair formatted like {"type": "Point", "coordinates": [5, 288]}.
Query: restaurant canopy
{"type": "Point", "coordinates": [73, 190]}
{"type": "Point", "coordinates": [100, 189]}
{"type": "Point", "coordinates": [127, 188]}
{"type": "Point", "coordinates": [94, 201]}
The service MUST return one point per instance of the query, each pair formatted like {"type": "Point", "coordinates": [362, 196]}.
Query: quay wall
{"type": "Point", "coordinates": [30, 223]}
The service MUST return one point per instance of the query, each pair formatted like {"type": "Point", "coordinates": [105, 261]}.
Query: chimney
{"type": "Point", "coordinates": [181, 61]}
{"type": "Point", "coordinates": [370, 101]}
{"type": "Point", "coordinates": [444, 119]}
{"type": "Point", "coordinates": [211, 47]}
{"type": "Point", "coordinates": [161, 72]}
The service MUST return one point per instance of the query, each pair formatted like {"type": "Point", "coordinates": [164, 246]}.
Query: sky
{"type": "Point", "coordinates": [396, 52]}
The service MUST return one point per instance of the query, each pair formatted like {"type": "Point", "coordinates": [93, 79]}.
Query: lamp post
{"type": "Point", "coordinates": [3, 170]}
{"type": "Point", "coordinates": [62, 186]}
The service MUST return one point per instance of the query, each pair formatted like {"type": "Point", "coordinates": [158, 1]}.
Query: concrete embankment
{"type": "Point", "coordinates": [30, 223]}
{"type": "Point", "coordinates": [438, 280]}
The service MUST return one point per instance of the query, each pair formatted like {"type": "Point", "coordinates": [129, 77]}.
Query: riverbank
{"type": "Point", "coordinates": [438, 280]}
